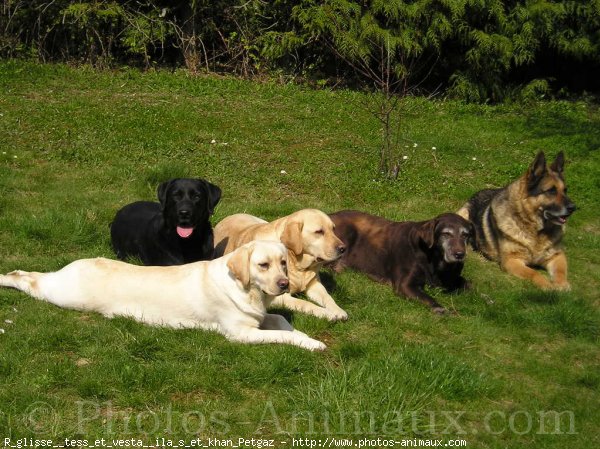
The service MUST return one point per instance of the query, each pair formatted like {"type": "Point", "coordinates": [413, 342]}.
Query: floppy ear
{"type": "Point", "coordinates": [162, 192]}
{"type": "Point", "coordinates": [214, 195]}
{"type": "Point", "coordinates": [559, 163]}
{"type": "Point", "coordinates": [239, 265]}
{"type": "Point", "coordinates": [291, 237]}
{"type": "Point", "coordinates": [427, 232]}
{"type": "Point", "coordinates": [536, 171]}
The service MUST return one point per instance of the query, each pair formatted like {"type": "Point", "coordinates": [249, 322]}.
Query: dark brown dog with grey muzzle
{"type": "Point", "coordinates": [407, 255]}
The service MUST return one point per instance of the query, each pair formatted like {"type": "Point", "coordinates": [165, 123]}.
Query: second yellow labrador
{"type": "Point", "coordinates": [229, 295]}
{"type": "Point", "coordinates": [311, 243]}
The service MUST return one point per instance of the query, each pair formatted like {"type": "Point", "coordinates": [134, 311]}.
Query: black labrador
{"type": "Point", "coordinates": [175, 231]}
{"type": "Point", "coordinates": [407, 255]}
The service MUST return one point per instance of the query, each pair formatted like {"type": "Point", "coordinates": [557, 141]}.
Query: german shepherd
{"type": "Point", "coordinates": [521, 226]}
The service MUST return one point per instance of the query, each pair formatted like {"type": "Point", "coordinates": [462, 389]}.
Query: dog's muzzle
{"type": "Point", "coordinates": [185, 226]}
{"type": "Point", "coordinates": [454, 256]}
{"type": "Point", "coordinates": [283, 284]}
{"type": "Point", "coordinates": [559, 217]}
{"type": "Point", "coordinates": [339, 251]}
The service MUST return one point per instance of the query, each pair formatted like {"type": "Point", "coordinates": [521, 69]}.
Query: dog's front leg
{"type": "Point", "coordinates": [288, 302]}
{"type": "Point", "coordinates": [273, 321]}
{"type": "Point", "coordinates": [414, 291]}
{"type": "Point", "coordinates": [517, 267]}
{"type": "Point", "coordinates": [463, 284]}
{"type": "Point", "coordinates": [296, 338]}
{"type": "Point", "coordinates": [456, 284]}
{"type": "Point", "coordinates": [317, 292]}
{"type": "Point", "coordinates": [557, 268]}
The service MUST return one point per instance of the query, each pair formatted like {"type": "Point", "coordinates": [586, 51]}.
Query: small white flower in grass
{"type": "Point", "coordinates": [283, 172]}
{"type": "Point", "coordinates": [415, 145]}
{"type": "Point", "coordinates": [4, 152]}
{"type": "Point", "coordinates": [8, 321]}
{"type": "Point", "coordinates": [15, 156]}
{"type": "Point", "coordinates": [213, 141]}
{"type": "Point", "coordinates": [474, 158]}
{"type": "Point", "coordinates": [15, 309]}
{"type": "Point", "coordinates": [1, 330]}
{"type": "Point", "coordinates": [433, 148]}
{"type": "Point", "coordinates": [404, 157]}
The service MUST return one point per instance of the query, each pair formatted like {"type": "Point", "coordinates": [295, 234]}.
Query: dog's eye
{"type": "Point", "coordinates": [319, 231]}
{"type": "Point", "coordinates": [283, 263]}
{"type": "Point", "coordinates": [551, 191]}
{"type": "Point", "coordinates": [264, 265]}
{"type": "Point", "coordinates": [446, 233]}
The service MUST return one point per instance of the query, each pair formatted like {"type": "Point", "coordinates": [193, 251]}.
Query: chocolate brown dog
{"type": "Point", "coordinates": [407, 255]}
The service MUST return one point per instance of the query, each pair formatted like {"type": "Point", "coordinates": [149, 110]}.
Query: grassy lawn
{"type": "Point", "coordinates": [76, 145]}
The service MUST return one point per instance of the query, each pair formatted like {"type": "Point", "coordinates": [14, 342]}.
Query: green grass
{"type": "Point", "coordinates": [76, 145]}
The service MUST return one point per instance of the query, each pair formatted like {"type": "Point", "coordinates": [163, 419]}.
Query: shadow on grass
{"type": "Point", "coordinates": [541, 297]}
{"type": "Point", "coordinates": [328, 281]}
{"type": "Point", "coordinates": [287, 314]}
{"type": "Point", "coordinates": [555, 312]}
{"type": "Point", "coordinates": [565, 119]}
{"type": "Point", "coordinates": [573, 318]}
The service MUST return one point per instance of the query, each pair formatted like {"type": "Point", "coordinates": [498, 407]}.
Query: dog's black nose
{"type": "Point", "coordinates": [571, 208]}
{"type": "Point", "coordinates": [283, 284]}
{"type": "Point", "coordinates": [184, 213]}
{"type": "Point", "coordinates": [341, 249]}
{"type": "Point", "coordinates": [459, 255]}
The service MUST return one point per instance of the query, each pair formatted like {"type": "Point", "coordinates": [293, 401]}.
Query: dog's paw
{"type": "Point", "coordinates": [314, 345]}
{"type": "Point", "coordinates": [562, 287]}
{"type": "Point", "coordinates": [543, 283]}
{"type": "Point", "coordinates": [440, 310]}
{"type": "Point", "coordinates": [338, 315]}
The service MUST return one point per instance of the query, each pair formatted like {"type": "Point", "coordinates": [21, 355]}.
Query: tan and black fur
{"type": "Point", "coordinates": [521, 226]}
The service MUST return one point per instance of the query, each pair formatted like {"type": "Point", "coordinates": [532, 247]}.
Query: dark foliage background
{"type": "Point", "coordinates": [478, 50]}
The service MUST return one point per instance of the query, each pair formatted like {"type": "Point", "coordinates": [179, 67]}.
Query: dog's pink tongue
{"type": "Point", "coordinates": [184, 233]}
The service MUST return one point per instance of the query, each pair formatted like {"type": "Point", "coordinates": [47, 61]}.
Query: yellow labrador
{"type": "Point", "coordinates": [308, 235]}
{"type": "Point", "coordinates": [229, 295]}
